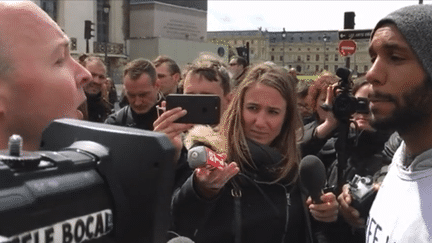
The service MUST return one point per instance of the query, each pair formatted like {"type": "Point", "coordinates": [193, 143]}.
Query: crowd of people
{"type": "Point", "coordinates": [270, 120]}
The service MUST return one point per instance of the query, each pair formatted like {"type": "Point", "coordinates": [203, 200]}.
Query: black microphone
{"type": "Point", "coordinates": [313, 176]}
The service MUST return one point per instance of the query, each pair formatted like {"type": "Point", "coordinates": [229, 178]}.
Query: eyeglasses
{"type": "Point", "coordinates": [233, 64]}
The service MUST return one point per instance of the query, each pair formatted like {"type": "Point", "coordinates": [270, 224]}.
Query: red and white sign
{"type": "Point", "coordinates": [347, 47]}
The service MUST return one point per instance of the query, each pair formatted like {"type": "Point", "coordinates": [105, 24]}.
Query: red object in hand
{"type": "Point", "coordinates": [215, 159]}
{"type": "Point", "coordinates": [202, 155]}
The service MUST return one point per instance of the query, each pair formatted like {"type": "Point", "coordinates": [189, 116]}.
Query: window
{"type": "Point", "coordinates": [317, 57]}
{"type": "Point", "coordinates": [335, 68]}
{"type": "Point", "coordinates": [299, 49]}
{"type": "Point", "coordinates": [272, 49]}
{"type": "Point", "coordinates": [252, 42]}
{"type": "Point", "coordinates": [50, 7]}
{"type": "Point", "coordinates": [281, 58]}
{"type": "Point", "coordinates": [307, 57]}
{"type": "Point", "coordinates": [235, 42]}
{"type": "Point", "coordinates": [317, 49]}
{"type": "Point", "coordinates": [336, 57]}
{"type": "Point", "coordinates": [308, 49]}
{"type": "Point", "coordinates": [326, 67]}
{"type": "Point", "coordinates": [299, 58]}
{"type": "Point", "coordinates": [317, 68]}
{"type": "Point", "coordinates": [326, 57]}
{"type": "Point", "coordinates": [251, 51]}
{"type": "Point", "coordinates": [272, 58]}
{"type": "Point", "coordinates": [365, 68]}
{"type": "Point", "coordinates": [301, 38]}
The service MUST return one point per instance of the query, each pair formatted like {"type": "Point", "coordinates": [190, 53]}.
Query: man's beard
{"type": "Point", "coordinates": [415, 110]}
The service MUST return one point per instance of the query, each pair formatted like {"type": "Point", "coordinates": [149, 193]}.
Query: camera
{"type": "Point", "coordinates": [363, 194]}
{"type": "Point", "coordinates": [345, 103]}
{"type": "Point", "coordinates": [89, 182]}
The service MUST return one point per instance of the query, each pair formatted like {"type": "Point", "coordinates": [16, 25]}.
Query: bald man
{"type": "Point", "coordinates": [39, 80]}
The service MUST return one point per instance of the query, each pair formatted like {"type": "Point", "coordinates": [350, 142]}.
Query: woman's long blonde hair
{"type": "Point", "coordinates": [232, 124]}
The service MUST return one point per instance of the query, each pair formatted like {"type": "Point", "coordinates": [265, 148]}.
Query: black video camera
{"type": "Point", "coordinates": [363, 194]}
{"type": "Point", "coordinates": [345, 104]}
{"type": "Point", "coordinates": [91, 182]}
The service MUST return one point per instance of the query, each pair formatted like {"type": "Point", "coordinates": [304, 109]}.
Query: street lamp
{"type": "Point", "coordinates": [106, 9]}
{"type": "Point", "coordinates": [283, 47]}
{"type": "Point", "coordinates": [325, 40]}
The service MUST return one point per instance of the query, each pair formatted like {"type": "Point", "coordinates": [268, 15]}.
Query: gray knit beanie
{"type": "Point", "coordinates": [415, 24]}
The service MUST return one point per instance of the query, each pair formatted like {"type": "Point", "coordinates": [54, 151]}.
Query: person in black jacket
{"type": "Point", "coordinates": [365, 158]}
{"type": "Point", "coordinates": [142, 92]}
{"type": "Point", "coordinates": [319, 135]}
{"type": "Point", "coordinates": [98, 108]}
{"type": "Point", "coordinates": [252, 199]}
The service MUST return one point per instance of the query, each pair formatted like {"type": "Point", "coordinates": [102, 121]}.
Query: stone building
{"type": "Point", "coordinates": [309, 52]}
{"type": "Point", "coordinates": [128, 29]}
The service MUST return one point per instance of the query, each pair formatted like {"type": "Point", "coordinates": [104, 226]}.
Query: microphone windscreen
{"type": "Point", "coordinates": [313, 176]}
{"type": "Point", "coordinates": [197, 157]}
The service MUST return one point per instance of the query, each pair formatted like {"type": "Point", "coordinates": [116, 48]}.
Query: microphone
{"type": "Point", "coordinates": [180, 239]}
{"type": "Point", "coordinates": [201, 155]}
{"type": "Point", "coordinates": [313, 176]}
{"type": "Point", "coordinates": [260, 154]}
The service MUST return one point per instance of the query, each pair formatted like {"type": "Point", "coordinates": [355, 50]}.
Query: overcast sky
{"type": "Point", "coordinates": [296, 15]}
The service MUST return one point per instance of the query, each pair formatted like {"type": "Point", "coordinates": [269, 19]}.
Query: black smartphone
{"type": "Point", "coordinates": [201, 108]}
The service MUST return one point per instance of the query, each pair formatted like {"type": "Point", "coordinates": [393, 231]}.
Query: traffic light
{"type": "Point", "coordinates": [88, 29]}
{"type": "Point", "coordinates": [349, 20]}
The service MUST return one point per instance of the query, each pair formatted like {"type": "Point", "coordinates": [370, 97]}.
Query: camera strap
{"type": "Point", "coordinates": [237, 194]}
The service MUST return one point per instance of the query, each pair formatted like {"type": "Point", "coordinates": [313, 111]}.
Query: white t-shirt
{"type": "Point", "coordinates": [402, 210]}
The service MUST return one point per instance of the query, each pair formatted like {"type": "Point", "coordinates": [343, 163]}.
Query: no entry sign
{"type": "Point", "coordinates": [347, 47]}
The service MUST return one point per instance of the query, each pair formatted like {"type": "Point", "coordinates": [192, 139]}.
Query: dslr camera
{"type": "Point", "coordinates": [345, 104]}
{"type": "Point", "coordinates": [363, 194]}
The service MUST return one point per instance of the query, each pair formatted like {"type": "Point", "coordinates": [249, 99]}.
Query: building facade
{"type": "Point", "coordinates": [309, 52]}
{"type": "Point", "coordinates": [124, 30]}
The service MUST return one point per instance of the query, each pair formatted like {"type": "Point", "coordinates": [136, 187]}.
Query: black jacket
{"type": "Point", "coordinates": [128, 118]}
{"type": "Point", "coordinates": [366, 158]}
{"type": "Point", "coordinates": [322, 148]}
{"type": "Point", "coordinates": [98, 109]}
{"type": "Point", "coordinates": [265, 212]}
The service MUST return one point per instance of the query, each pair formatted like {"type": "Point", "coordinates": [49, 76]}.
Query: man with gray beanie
{"type": "Point", "coordinates": [401, 99]}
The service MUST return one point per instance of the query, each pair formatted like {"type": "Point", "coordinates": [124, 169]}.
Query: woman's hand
{"type": "Point", "coordinates": [210, 180]}
{"type": "Point", "coordinates": [165, 123]}
{"type": "Point", "coordinates": [327, 211]}
{"type": "Point", "coordinates": [330, 123]}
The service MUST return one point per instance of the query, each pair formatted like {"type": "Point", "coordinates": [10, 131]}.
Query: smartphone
{"type": "Point", "coordinates": [201, 108]}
